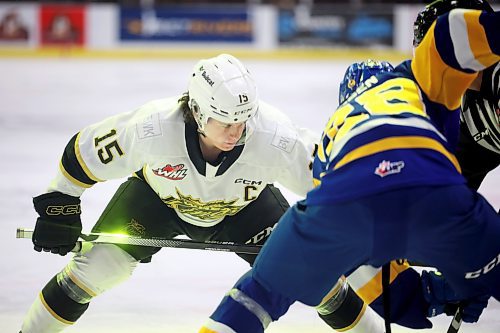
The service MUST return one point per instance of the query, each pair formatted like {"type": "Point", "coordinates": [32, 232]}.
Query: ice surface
{"type": "Point", "coordinates": [44, 102]}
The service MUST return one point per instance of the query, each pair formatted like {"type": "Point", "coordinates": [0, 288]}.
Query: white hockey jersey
{"type": "Point", "coordinates": [155, 143]}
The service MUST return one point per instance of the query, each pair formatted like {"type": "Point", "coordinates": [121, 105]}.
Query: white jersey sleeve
{"type": "Point", "coordinates": [110, 149]}
{"type": "Point", "coordinates": [296, 173]}
{"type": "Point", "coordinates": [288, 150]}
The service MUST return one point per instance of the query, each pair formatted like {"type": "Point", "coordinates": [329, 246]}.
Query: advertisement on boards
{"type": "Point", "coordinates": [335, 26]}
{"type": "Point", "coordinates": [18, 24]}
{"type": "Point", "coordinates": [62, 25]}
{"type": "Point", "coordinates": [186, 24]}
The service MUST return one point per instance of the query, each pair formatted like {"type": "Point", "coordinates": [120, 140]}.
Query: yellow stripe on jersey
{"type": "Point", "coordinates": [393, 97]}
{"type": "Point", "coordinates": [71, 178]}
{"type": "Point", "coordinates": [82, 162]}
{"type": "Point", "coordinates": [335, 122]}
{"type": "Point", "coordinates": [398, 142]}
{"type": "Point", "coordinates": [316, 182]}
{"type": "Point", "coordinates": [479, 44]}
{"type": "Point", "coordinates": [373, 288]}
{"type": "Point", "coordinates": [441, 83]}
{"type": "Point", "coordinates": [55, 315]}
{"type": "Point", "coordinates": [346, 128]}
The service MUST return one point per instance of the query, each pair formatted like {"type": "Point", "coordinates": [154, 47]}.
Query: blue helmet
{"type": "Point", "coordinates": [357, 73]}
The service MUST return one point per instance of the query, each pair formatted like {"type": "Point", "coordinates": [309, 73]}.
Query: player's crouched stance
{"type": "Point", "coordinates": [191, 151]}
{"type": "Point", "coordinates": [203, 165]}
{"type": "Point", "coordinates": [388, 170]}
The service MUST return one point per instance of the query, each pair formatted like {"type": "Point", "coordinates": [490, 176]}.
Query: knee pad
{"type": "Point", "coordinates": [91, 273]}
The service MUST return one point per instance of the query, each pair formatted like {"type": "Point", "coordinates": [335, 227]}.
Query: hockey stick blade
{"type": "Point", "coordinates": [456, 322]}
{"type": "Point", "coordinates": [154, 242]}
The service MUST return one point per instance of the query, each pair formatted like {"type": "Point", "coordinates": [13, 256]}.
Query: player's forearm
{"type": "Point", "coordinates": [445, 63]}
{"type": "Point", "coordinates": [60, 183]}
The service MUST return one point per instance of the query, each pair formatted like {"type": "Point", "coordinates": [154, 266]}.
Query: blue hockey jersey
{"type": "Point", "coordinates": [374, 134]}
{"type": "Point", "coordinates": [355, 137]}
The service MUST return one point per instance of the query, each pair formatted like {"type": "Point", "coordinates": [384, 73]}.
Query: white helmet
{"type": "Point", "coordinates": [223, 89]}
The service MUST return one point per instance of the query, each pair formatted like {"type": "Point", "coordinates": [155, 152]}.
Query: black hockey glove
{"type": "Point", "coordinates": [59, 225]}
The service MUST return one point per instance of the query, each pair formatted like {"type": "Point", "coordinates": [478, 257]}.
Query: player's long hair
{"type": "Point", "coordinates": [186, 111]}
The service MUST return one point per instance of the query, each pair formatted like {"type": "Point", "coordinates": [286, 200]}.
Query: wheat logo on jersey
{"type": "Point", "coordinates": [386, 168]}
{"type": "Point", "coordinates": [211, 210]}
{"type": "Point", "coordinates": [176, 172]}
{"type": "Point", "coordinates": [134, 228]}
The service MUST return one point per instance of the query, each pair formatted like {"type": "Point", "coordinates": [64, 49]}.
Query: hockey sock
{"type": "Point", "coordinates": [354, 316]}
{"type": "Point", "coordinates": [52, 311]}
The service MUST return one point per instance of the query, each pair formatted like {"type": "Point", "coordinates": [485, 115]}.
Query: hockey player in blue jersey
{"type": "Point", "coordinates": [390, 188]}
{"type": "Point", "coordinates": [414, 297]}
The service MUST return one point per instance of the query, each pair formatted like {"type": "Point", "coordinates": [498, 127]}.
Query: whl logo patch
{"type": "Point", "coordinates": [176, 172]}
{"type": "Point", "coordinates": [386, 168]}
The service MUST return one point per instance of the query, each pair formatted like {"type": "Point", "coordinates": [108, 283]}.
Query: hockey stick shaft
{"type": "Point", "coordinates": [154, 242]}
{"type": "Point", "coordinates": [456, 322]}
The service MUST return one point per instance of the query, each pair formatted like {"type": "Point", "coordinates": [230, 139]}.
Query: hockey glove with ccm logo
{"type": "Point", "coordinates": [442, 299]}
{"type": "Point", "coordinates": [59, 225]}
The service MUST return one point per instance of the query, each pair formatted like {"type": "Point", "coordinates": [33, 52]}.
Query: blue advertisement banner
{"type": "Point", "coordinates": [336, 26]}
{"type": "Point", "coordinates": [186, 24]}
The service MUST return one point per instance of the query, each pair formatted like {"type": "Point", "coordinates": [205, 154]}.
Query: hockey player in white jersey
{"type": "Point", "coordinates": [203, 165]}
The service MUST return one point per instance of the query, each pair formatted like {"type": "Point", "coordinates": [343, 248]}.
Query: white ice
{"type": "Point", "coordinates": [43, 102]}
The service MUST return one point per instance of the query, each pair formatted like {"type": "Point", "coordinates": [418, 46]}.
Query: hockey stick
{"type": "Point", "coordinates": [153, 242]}
{"type": "Point", "coordinates": [456, 322]}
